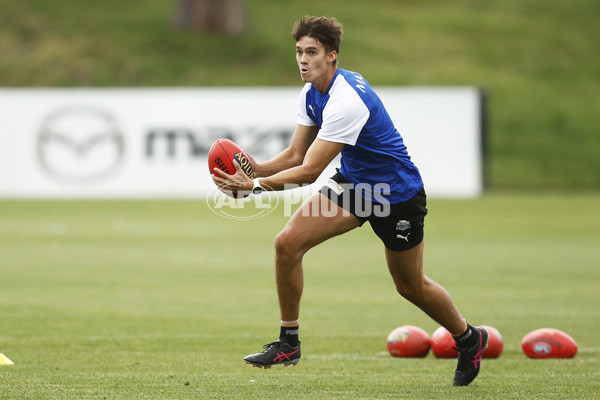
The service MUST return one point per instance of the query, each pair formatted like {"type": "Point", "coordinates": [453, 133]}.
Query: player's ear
{"type": "Point", "coordinates": [332, 56]}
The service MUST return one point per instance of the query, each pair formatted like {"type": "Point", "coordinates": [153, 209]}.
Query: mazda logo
{"type": "Point", "coordinates": [80, 144]}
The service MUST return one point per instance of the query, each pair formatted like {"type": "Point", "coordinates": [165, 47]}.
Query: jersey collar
{"type": "Point", "coordinates": [337, 72]}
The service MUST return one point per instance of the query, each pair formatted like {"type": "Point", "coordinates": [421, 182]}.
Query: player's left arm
{"type": "Point", "coordinates": [343, 119]}
{"type": "Point", "coordinates": [319, 155]}
{"type": "Point", "coordinates": [317, 158]}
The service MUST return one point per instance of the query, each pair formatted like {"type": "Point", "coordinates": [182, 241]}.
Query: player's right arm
{"type": "Point", "coordinates": [291, 156]}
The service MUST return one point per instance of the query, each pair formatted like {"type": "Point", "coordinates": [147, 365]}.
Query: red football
{"type": "Point", "coordinates": [221, 155]}
{"type": "Point", "coordinates": [548, 343]}
{"type": "Point", "coordinates": [441, 344]}
{"type": "Point", "coordinates": [495, 343]}
{"type": "Point", "coordinates": [408, 341]}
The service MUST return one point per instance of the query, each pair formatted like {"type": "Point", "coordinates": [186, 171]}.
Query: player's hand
{"type": "Point", "coordinates": [238, 181]}
{"type": "Point", "coordinates": [254, 164]}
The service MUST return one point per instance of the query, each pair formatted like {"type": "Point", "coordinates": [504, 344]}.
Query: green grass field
{"type": "Point", "coordinates": [161, 300]}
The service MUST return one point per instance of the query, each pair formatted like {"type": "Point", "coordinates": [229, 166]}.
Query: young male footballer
{"type": "Point", "coordinates": [376, 182]}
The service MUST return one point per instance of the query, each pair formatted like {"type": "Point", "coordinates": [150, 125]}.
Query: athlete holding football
{"type": "Point", "coordinates": [339, 112]}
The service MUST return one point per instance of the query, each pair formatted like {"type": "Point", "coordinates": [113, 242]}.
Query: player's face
{"type": "Point", "coordinates": [315, 63]}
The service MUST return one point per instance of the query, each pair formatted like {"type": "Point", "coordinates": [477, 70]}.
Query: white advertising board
{"type": "Point", "coordinates": [153, 143]}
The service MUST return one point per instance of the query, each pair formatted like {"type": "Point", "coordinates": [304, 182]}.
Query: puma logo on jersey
{"type": "Point", "coordinates": [403, 237]}
{"type": "Point", "coordinates": [312, 109]}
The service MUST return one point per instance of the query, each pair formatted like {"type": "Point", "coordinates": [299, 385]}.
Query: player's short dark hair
{"type": "Point", "coordinates": [326, 30]}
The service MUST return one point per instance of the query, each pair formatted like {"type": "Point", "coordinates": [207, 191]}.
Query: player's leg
{"type": "Point", "coordinates": [402, 232]}
{"type": "Point", "coordinates": [406, 268]}
{"type": "Point", "coordinates": [317, 220]}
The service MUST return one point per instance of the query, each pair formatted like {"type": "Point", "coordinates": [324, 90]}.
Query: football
{"type": "Point", "coordinates": [408, 341]}
{"type": "Point", "coordinates": [495, 343]}
{"type": "Point", "coordinates": [222, 154]}
{"type": "Point", "coordinates": [548, 343]}
{"type": "Point", "coordinates": [441, 344]}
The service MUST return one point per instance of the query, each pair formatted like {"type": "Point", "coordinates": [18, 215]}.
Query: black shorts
{"type": "Point", "coordinates": [399, 226]}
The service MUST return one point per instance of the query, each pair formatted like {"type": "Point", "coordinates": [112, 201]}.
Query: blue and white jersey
{"type": "Point", "coordinates": [350, 112]}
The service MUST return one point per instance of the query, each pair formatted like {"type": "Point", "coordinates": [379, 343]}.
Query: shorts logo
{"type": "Point", "coordinates": [403, 237]}
{"type": "Point", "coordinates": [402, 225]}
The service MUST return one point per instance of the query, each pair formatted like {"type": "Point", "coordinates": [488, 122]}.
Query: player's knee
{"type": "Point", "coordinates": [286, 247]}
{"type": "Point", "coordinates": [411, 291]}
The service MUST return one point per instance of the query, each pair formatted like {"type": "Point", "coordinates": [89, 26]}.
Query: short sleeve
{"type": "Point", "coordinates": [344, 117]}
